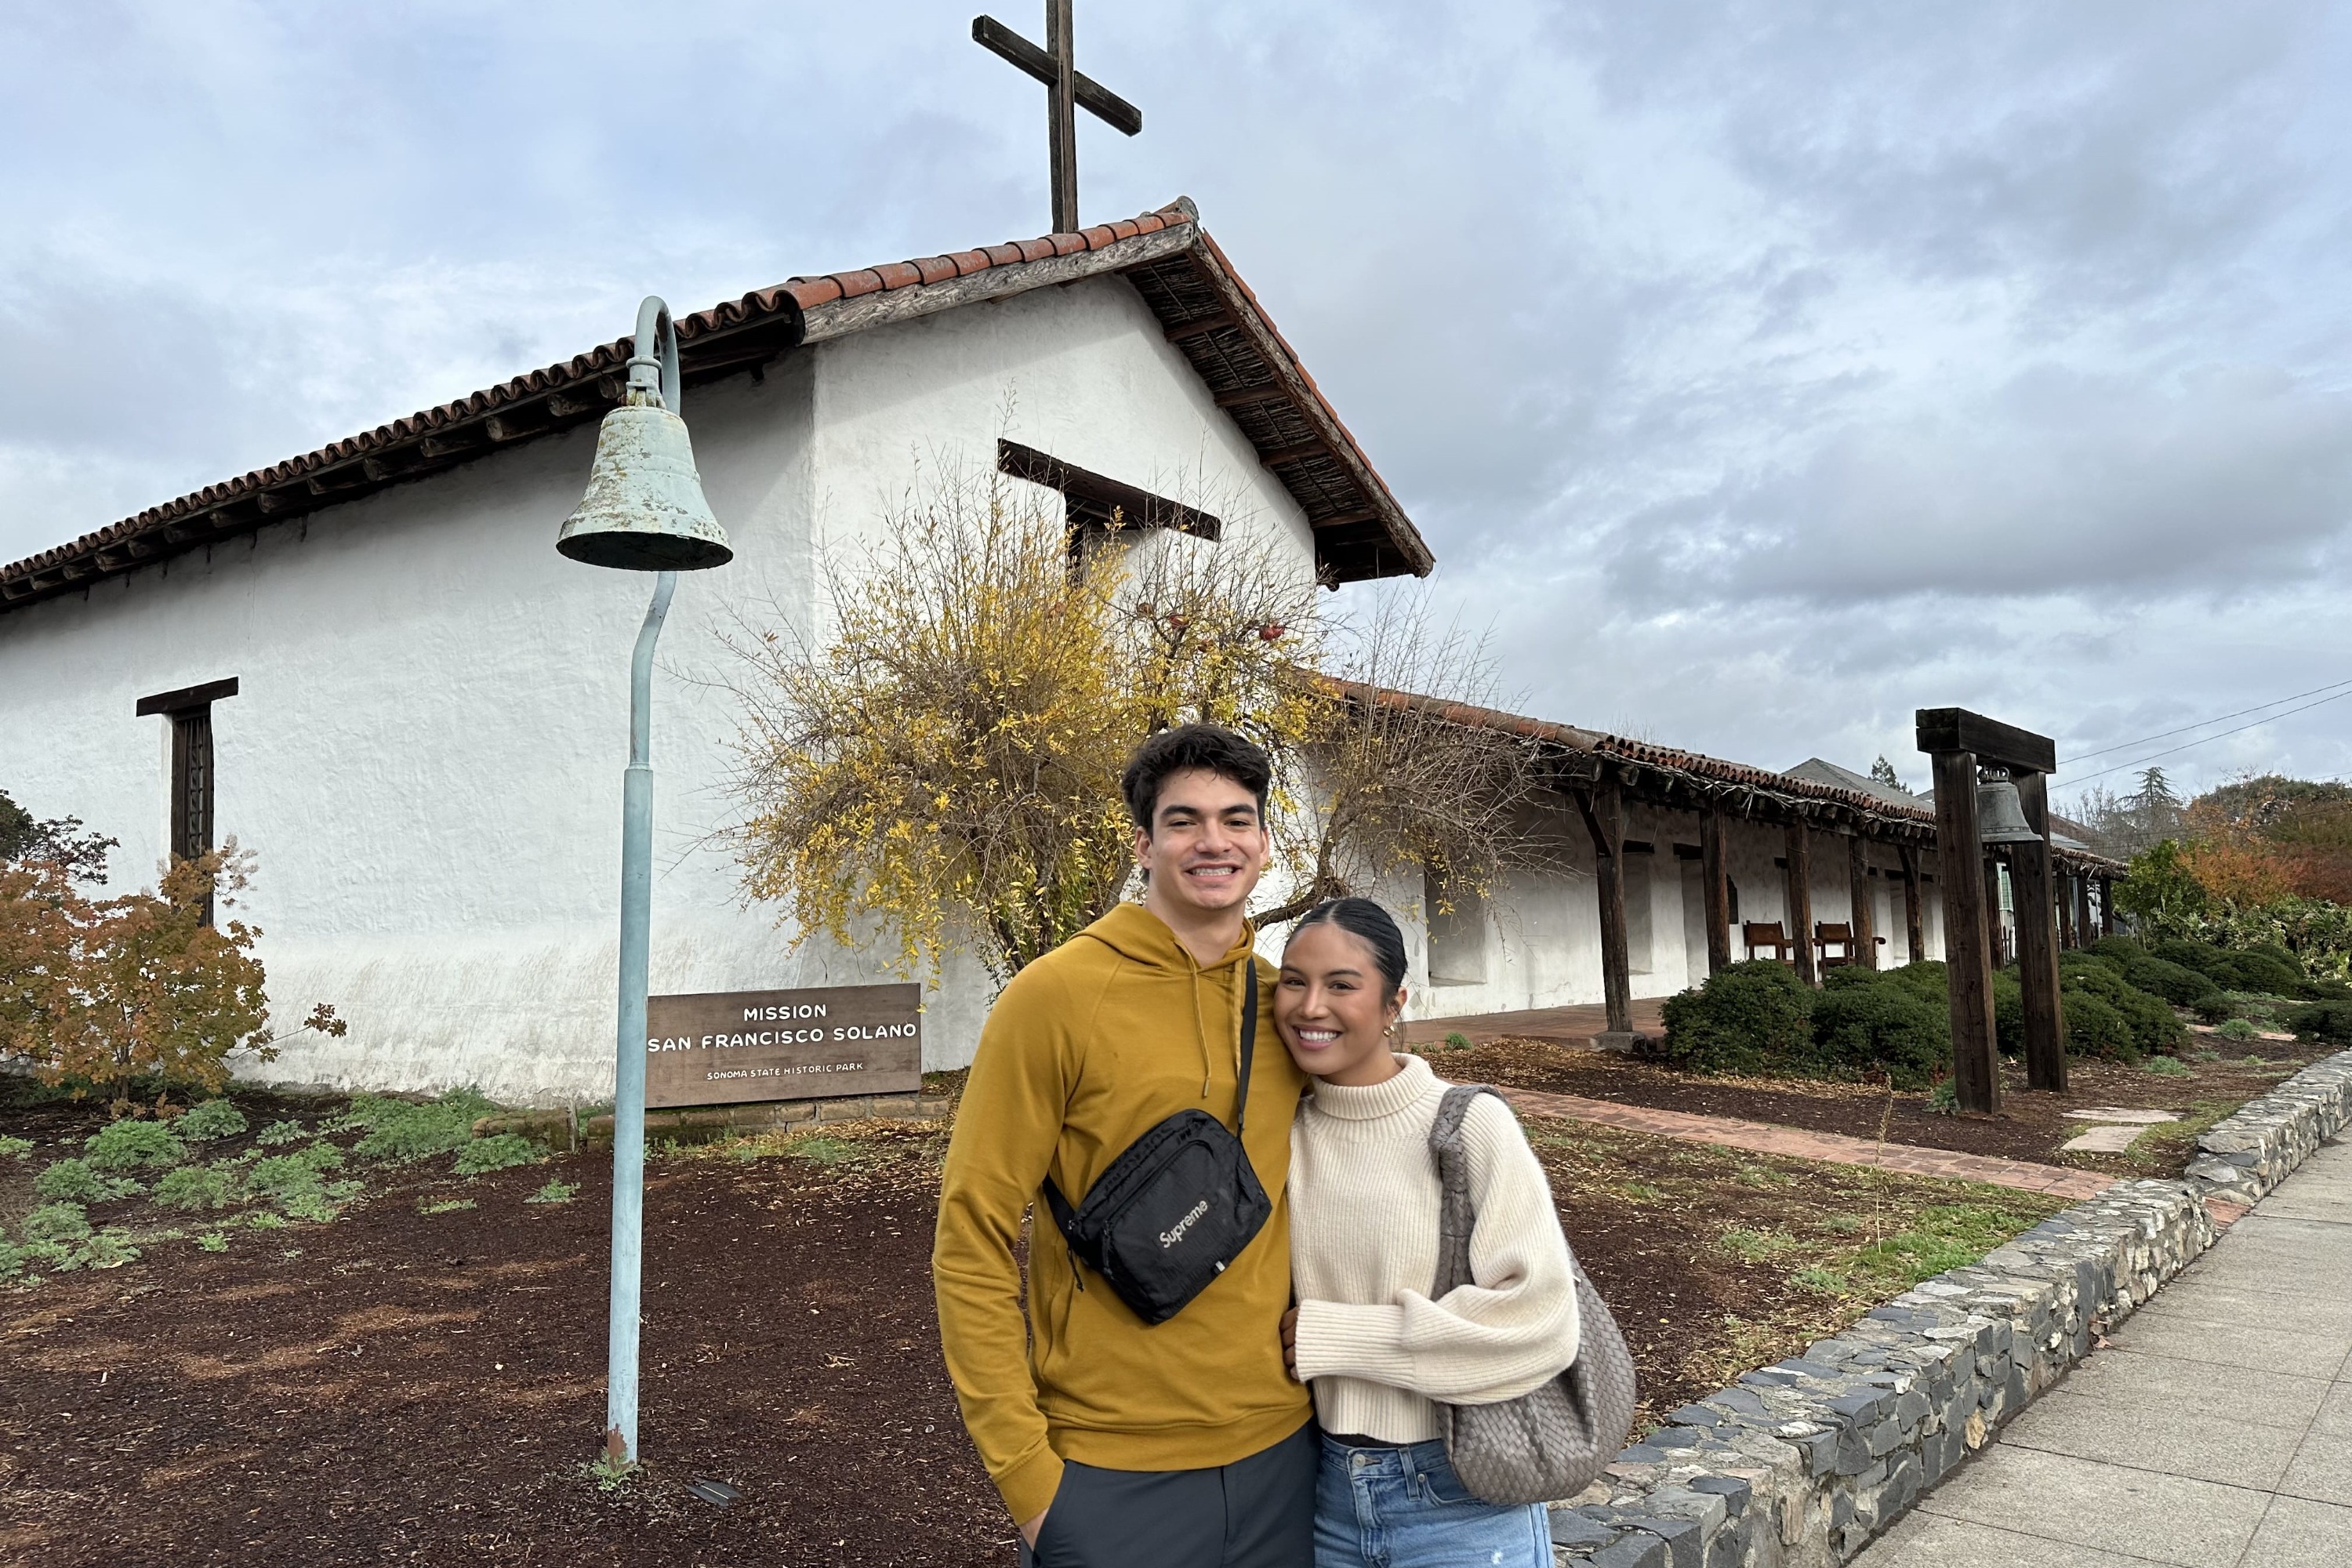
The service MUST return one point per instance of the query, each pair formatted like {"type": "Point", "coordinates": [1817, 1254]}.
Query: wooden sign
{"type": "Point", "coordinates": [724, 1047]}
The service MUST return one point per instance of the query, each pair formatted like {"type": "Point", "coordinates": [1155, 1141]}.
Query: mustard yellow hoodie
{"type": "Point", "coordinates": [1088, 1048]}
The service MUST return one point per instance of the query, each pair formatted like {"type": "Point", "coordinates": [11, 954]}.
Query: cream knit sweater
{"type": "Point", "coordinates": [1364, 1254]}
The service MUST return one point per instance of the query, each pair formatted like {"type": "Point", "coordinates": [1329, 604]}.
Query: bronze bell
{"type": "Point", "coordinates": [645, 511]}
{"type": "Point", "coordinates": [2000, 815]}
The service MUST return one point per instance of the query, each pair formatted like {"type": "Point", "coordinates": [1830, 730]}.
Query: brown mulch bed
{"type": "Point", "coordinates": [2029, 1126]}
{"type": "Point", "coordinates": [403, 1387]}
{"type": "Point", "coordinates": [399, 1387]}
{"type": "Point", "coordinates": [1714, 1261]}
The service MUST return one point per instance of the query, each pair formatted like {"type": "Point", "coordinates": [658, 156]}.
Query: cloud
{"type": "Point", "coordinates": [2057, 482]}
{"type": "Point", "coordinates": [1760, 372]}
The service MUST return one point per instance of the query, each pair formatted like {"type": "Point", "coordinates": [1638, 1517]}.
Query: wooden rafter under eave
{"type": "Point", "coordinates": [1285, 385]}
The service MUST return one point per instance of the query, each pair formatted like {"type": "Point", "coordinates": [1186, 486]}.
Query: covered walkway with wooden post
{"type": "Point", "coordinates": [1864, 836]}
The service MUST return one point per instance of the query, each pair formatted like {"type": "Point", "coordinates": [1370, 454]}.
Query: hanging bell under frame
{"type": "Point", "coordinates": [2000, 815]}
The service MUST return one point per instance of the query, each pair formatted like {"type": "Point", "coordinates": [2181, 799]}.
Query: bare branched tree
{"type": "Point", "coordinates": [1407, 770]}
{"type": "Point", "coordinates": [943, 763]}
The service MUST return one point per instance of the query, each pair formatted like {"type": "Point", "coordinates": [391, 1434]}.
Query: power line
{"type": "Point", "coordinates": [2189, 745]}
{"type": "Point", "coordinates": [2167, 734]}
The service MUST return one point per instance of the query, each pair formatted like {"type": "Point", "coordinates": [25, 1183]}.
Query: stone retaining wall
{"type": "Point", "coordinates": [2243, 1157]}
{"type": "Point", "coordinates": [1801, 1464]}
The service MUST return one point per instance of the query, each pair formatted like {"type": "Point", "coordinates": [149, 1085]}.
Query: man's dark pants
{"type": "Point", "coordinates": [1256, 1513]}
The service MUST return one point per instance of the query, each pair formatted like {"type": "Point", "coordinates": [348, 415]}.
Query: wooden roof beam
{"type": "Point", "coordinates": [1185, 331]}
{"type": "Point", "coordinates": [1250, 396]}
{"type": "Point", "coordinates": [456, 441]}
{"type": "Point", "coordinates": [1282, 457]}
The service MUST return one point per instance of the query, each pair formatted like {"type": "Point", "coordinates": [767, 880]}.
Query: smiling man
{"type": "Point", "coordinates": [1115, 1442]}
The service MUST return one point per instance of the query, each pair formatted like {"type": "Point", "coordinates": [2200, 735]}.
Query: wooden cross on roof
{"type": "Point", "coordinates": [1067, 90]}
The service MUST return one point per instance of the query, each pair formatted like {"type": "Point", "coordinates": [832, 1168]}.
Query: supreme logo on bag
{"type": "Point", "coordinates": [1176, 1206]}
{"type": "Point", "coordinates": [1175, 1232]}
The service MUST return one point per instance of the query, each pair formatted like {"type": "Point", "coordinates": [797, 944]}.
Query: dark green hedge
{"type": "Point", "coordinates": [2095, 1027]}
{"type": "Point", "coordinates": [1864, 1020]}
{"type": "Point", "coordinates": [2154, 1027]}
{"type": "Point", "coordinates": [2268, 968]}
{"type": "Point", "coordinates": [1752, 1017]}
{"type": "Point", "coordinates": [1757, 1018]}
{"type": "Point", "coordinates": [2328, 1023]}
{"type": "Point", "coordinates": [2264, 969]}
{"type": "Point", "coordinates": [2176, 982]}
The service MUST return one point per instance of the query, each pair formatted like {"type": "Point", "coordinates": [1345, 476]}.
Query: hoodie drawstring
{"type": "Point", "coordinates": [1233, 1030]}
{"type": "Point", "coordinates": [1200, 1034]}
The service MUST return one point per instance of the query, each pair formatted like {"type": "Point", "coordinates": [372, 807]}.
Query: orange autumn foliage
{"type": "Point", "coordinates": [100, 992]}
{"type": "Point", "coordinates": [2254, 833]}
{"type": "Point", "coordinates": [2247, 874]}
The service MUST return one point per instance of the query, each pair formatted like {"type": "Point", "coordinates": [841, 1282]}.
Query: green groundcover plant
{"type": "Point", "coordinates": [135, 1146]}
{"type": "Point", "coordinates": [212, 1119]}
{"type": "Point", "coordinates": [285, 1175]}
{"type": "Point", "coordinates": [57, 1238]}
{"type": "Point", "coordinates": [402, 1130]}
{"type": "Point", "coordinates": [79, 1182]}
{"type": "Point", "coordinates": [500, 1151]}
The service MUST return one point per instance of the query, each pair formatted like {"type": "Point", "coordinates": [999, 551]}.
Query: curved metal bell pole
{"type": "Point", "coordinates": [659, 374]}
{"type": "Point", "coordinates": [644, 512]}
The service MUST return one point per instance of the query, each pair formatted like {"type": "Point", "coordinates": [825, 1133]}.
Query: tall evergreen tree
{"type": "Point", "coordinates": [2155, 808]}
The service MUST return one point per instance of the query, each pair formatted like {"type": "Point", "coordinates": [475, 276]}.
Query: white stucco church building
{"type": "Point", "coordinates": [368, 665]}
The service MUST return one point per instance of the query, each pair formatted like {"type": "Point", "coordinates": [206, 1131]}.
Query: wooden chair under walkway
{"type": "Point", "coordinates": [1828, 934]}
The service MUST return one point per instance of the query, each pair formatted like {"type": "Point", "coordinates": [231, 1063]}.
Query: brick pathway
{"type": "Point", "coordinates": [1571, 1027]}
{"type": "Point", "coordinates": [1763, 1138]}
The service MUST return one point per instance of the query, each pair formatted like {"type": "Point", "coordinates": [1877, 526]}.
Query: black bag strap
{"type": "Point", "coordinates": [1249, 1044]}
{"type": "Point", "coordinates": [1065, 1217]}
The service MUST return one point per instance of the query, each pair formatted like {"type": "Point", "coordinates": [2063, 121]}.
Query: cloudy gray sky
{"type": "Point", "coordinates": [1759, 372]}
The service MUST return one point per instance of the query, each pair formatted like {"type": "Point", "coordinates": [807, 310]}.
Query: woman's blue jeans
{"type": "Point", "coordinates": [1404, 1508]}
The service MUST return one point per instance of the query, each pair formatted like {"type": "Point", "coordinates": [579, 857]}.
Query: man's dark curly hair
{"type": "Point", "coordinates": [1212, 747]}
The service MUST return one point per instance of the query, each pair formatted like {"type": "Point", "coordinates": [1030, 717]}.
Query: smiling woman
{"type": "Point", "coordinates": [1384, 1348]}
{"type": "Point", "coordinates": [1341, 992]}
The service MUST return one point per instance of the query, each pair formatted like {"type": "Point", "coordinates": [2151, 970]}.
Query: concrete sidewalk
{"type": "Point", "coordinates": [2213, 1431]}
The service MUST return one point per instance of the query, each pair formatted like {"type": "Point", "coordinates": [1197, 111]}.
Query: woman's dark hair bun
{"type": "Point", "coordinates": [1367, 920]}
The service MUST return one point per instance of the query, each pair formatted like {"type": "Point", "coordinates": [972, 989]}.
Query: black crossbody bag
{"type": "Point", "coordinates": [1176, 1207]}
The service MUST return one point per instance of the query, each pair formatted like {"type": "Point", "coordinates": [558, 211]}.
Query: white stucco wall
{"type": "Point", "coordinates": [426, 750]}
{"type": "Point", "coordinates": [1544, 938]}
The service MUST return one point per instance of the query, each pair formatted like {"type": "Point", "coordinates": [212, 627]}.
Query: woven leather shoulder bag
{"type": "Point", "coordinates": [1553, 1442]}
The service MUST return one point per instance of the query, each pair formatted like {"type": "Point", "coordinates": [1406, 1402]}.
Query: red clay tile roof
{"type": "Point", "coordinates": [1209, 315]}
{"type": "Point", "coordinates": [1681, 778]}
